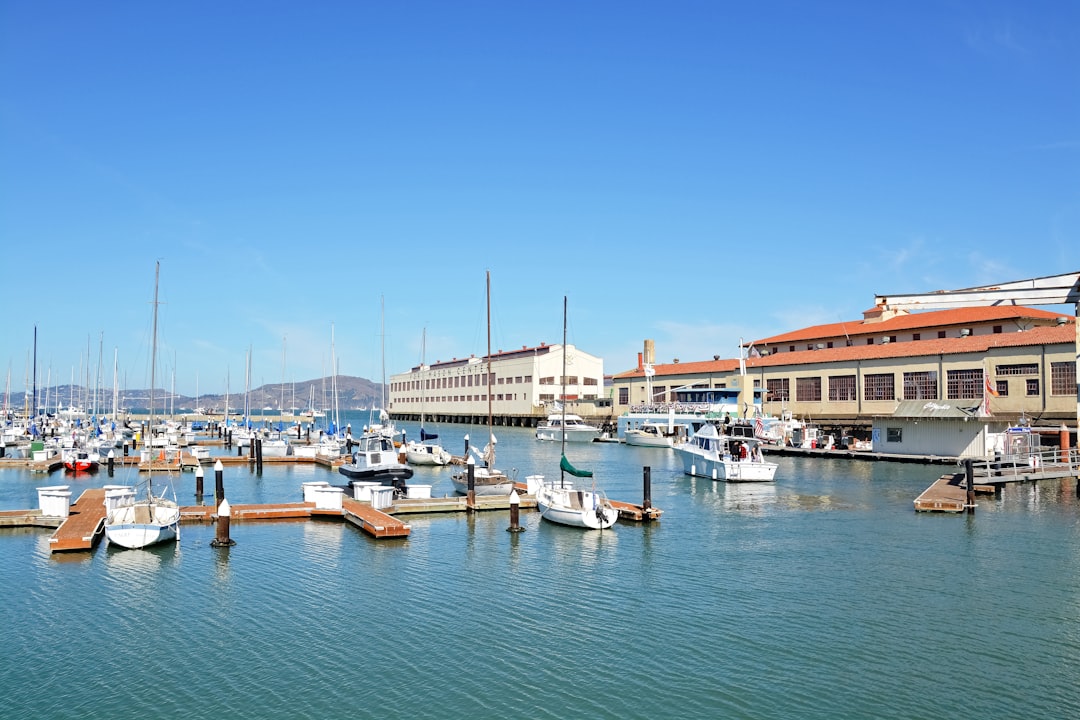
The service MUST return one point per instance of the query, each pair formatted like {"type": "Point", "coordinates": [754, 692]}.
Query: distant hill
{"type": "Point", "coordinates": [354, 393]}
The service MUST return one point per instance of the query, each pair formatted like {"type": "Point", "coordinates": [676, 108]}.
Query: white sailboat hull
{"type": "Point", "coordinates": [142, 524]}
{"type": "Point", "coordinates": [485, 482]}
{"type": "Point", "coordinates": [421, 454]}
{"type": "Point", "coordinates": [572, 507]}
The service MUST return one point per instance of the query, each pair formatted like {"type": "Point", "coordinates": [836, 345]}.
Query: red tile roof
{"type": "Point", "coordinates": [912, 321]}
{"type": "Point", "coordinates": [1043, 335]}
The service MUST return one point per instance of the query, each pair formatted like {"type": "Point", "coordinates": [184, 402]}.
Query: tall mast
{"type": "Point", "coordinates": [35, 372]}
{"type": "Point", "coordinates": [488, 275]}
{"type": "Point", "coordinates": [563, 403]}
{"type": "Point", "coordinates": [153, 376]}
{"type": "Point", "coordinates": [423, 380]}
{"type": "Point", "coordinates": [382, 338]}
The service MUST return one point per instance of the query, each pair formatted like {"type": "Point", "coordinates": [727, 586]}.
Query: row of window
{"type": "Point", "coordinates": [959, 384]}
{"type": "Point", "coordinates": [454, 381]}
{"type": "Point", "coordinates": [997, 330]}
{"type": "Point", "coordinates": [511, 397]}
{"type": "Point", "coordinates": [568, 380]}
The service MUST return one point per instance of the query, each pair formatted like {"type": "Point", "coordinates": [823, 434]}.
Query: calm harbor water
{"type": "Point", "coordinates": [822, 596]}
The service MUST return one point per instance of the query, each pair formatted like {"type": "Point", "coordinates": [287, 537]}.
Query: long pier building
{"type": "Point", "coordinates": [525, 386]}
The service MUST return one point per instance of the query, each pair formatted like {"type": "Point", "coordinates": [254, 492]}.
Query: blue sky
{"type": "Point", "coordinates": [689, 172]}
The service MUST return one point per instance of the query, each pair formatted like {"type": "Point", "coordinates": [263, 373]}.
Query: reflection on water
{"type": "Point", "coordinates": [749, 497]}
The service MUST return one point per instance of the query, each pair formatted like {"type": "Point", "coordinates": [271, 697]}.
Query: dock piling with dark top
{"type": "Point", "coordinates": [646, 498]}
{"type": "Point", "coordinates": [258, 455]}
{"type": "Point", "coordinates": [112, 462]}
{"type": "Point", "coordinates": [470, 472]}
{"type": "Point", "coordinates": [969, 475]}
{"type": "Point", "coordinates": [219, 483]}
{"type": "Point", "coordinates": [199, 482]}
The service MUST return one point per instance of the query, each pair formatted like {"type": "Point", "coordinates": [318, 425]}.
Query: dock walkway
{"type": "Point", "coordinates": [85, 524]}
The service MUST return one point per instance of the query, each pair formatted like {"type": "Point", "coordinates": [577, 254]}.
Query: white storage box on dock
{"type": "Point", "coordinates": [382, 496]}
{"type": "Point", "coordinates": [310, 488]}
{"type": "Point", "coordinates": [418, 492]}
{"type": "Point", "coordinates": [116, 495]}
{"type": "Point", "coordinates": [54, 500]}
{"type": "Point", "coordinates": [362, 489]}
{"type": "Point", "coordinates": [328, 498]}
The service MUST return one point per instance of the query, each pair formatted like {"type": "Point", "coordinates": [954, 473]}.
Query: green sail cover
{"type": "Point", "coordinates": [565, 465]}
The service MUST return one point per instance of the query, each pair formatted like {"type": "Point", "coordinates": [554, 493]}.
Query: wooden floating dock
{"type": "Point", "coordinates": [947, 494]}
{"type": "Point", "coordinates": [85, 524]}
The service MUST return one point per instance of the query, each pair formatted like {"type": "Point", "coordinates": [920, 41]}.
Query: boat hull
{"type": "Point", "coordinates": [573, 508]}
{"type": "Point", "coordinates": [142, 525]}
{"type": "Point", "coordinates": [555, 435]}
{"type": "Point", "coordinates": [642, 439]}
{"type": "Point", "coordinates": [727, 470]}
{"type": "Point", "coordinates": [384, 475]}
{"type": "Point", "coordinates": [426, 455]}
{"type": "Point", "coordinates": [484, 483]}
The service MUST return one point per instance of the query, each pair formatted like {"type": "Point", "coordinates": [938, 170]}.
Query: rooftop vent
{"type": "Point", "coordinates": [964, 332]}
{"type": "Point", "coordinates": [884, 339]}
{"type": "Point", "coordinates": [820, 346]}
{"type": "Point", "coordinates": [1062, 320]}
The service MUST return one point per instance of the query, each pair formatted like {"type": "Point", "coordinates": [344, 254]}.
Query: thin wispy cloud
{"type": "Point", "coordinates": [992, 40]}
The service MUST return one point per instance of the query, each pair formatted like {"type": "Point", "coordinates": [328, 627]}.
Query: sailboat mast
{"type": "Point", "coordinates": [153, 377]}
{"type": "Point", "coordinates": [34, 409]}
{"type": "Point", "coordinates": [488, 273]}
{"type": "Point", "coordinates": [563, 403]}
{"type": "Point", "coordinates": [423, 380]}
{"type": "Point", "coordinates": [382, 347]}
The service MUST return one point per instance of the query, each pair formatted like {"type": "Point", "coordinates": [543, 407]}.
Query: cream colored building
{"type": "Point", "coordinates": [1020, 360]}
{"type": "Point", "coordinates": [525, 385]}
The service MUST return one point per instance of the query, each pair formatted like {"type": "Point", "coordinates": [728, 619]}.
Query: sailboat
{"type": "Point", "coordinates": [563, 502]}
{"type": "Point", "coordinates": [425, 452]}
{"type": "Point", "coordinates": [135, 517]}
{"type": "Point", "coordinates": [486, 480]}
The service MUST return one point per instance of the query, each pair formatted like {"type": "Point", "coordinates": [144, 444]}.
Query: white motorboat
{"type": "Point", "coordinates": [572, 428]}
{"type": "Point", "coordinates": [375, 458]}
{"type": "Point", "coordinates": [733, 455]}
{"type": "Point", "coordinates": [657, 434]}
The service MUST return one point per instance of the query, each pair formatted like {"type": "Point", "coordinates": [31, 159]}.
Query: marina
{"type": "Point", "coordinates": [748, 567]}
